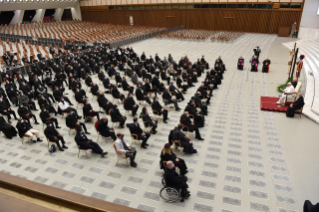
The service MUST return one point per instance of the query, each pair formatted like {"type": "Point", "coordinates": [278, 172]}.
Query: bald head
{"type": "Point", "coordinates": [169, 164]}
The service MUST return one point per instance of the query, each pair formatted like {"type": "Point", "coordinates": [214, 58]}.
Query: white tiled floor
{"type": "Point", "coordinates": [242, 164]}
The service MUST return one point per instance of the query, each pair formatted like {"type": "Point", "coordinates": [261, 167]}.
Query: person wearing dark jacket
{"type": "Point", "coordinates": [198, 102]}
{"type": "Point", "coordinates": [105, 130]}
{"type": "Point", "coordinates": [79, 97]}
{"type": "Point", "coordinates": [73, 123]}
{"type": "Point", "coordinates": [172, 179]}
{"type": "Point", "coordinates": [126, 86]}
{"type": "Point", "coordinates": [7, 129]}
{"type": "Point", "coordinates": [25, 114]}
{"type": "Point", "coordinates": [178, 135]}
{"type": "Point", "coordinates": [186, 121]}
{"type": "Point", "coordinates": [84, 143]}
{"type": "Point", "coordinates": [129, 104]}
{"type": "Point", "coordinates": [168, 99]}
{"type": "Point", "coordinates": [25, 129]}
{"type": "Point", "coordinates": [297, 105]}
{"type": "Point", "coordinates": [116, 94]}
{"type": "Point", "coordinates": [45, 117]}
{"type": "Point", "coordinates": [180, 84]}
{"type": "Point", "coordinates": [94, 88]}
{"type": "Point", "coordinates": [176, 92]}
{"type": "Point", "coordinates": [148, 121]}
{"type": "Point", "coordinates": [104, 102]}
{"type": "Point", "coordinates": [58, 94]}
{"type": "Point", "coordinates": [6, 110]}
{"type": "Point", "coordinates": [42, 101]}
{"type": "Point", "coordinates": [88, 111]}
{"type": "Point", "coordinates": [141, 96]}
{"type": "Point", "coordinates": [199, 119]}
{"type": "Point", "coordinates": [168, 155]}
{"type": "Point", "coordinates": [53, 135]}
{"type": "Point", "coordinates": [116, 116]}
{"type": "Point", "coordinates": [141, 135]}
{"type": "Point", "coordinates": [157, 85]}
{"type": "Point", "coordinates": [156, 106]}
{"type": "Point", "coordinates": [309, 207]}
{"type": "Point", "coordinates": [24, 99]}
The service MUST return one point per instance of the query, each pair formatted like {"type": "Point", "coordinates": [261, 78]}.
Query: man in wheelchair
{"type": "Point", "coordinates": [174, 180]}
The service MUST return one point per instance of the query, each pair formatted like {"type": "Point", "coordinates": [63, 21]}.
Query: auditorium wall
{"type": "Point", "coordinates": [309, 26]}
{"type": "Point", "coordinates": [243, 20]}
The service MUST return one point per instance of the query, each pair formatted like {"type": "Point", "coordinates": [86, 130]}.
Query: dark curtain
{"type": "Point", "coordinates": [50, 13]}
{"type": "Point", "coordinates": [6, 17]}
{"type": "Point", "coordinates": [28, 15]}
{"type": "Point", "coordinates": [67, 14]}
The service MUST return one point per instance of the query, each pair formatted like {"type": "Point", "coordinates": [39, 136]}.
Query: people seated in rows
{"type": "Point", "coordinates": [129, 104]}
{"type": "Point", "coordinates": [7, 129]}
{"type": "Point", "coordinates": [141, 135]}
{"type": "Point", "coordinates": [72, 122]}
{"type": "Point", "coordinates": [141, 96]}
{"type": "Point", "coordinates": [85, 143]}
{"type": "Point", "coordinates": [168, 99]}
{"type": "Point", "coordinates": [297, 105]}
{"type": "Point", "coordinates": [159, 110]}
{"type": "Point", "coordinates": [116, 116]}
{"type": "Point", "coordinates": [64, 107]}
{"type": "Point", "coordinates": [172, 179]}
{"type": "Point", "coordinates": [6, 110]}
{"type": "Point", "coordinates": [288, 92]}
{"type": "Point", "coordinates": [168, 155]}
{"type": "Point", "coordinates": [123, 147]}
{"type": "Point", "coordinates": [24, 128]}
{"type": "Point", "coordinates": [53, 135]}
{"type": "Point", "coordinates": [43, 102]}
{"type": "Point", "coordinates": [27, 90]}
{"type": "Point", "coordinates": [25, 114]}
{"type": "Point", "coordinates": [176, 92]}
{"type": "Point", "coordinates": [45, 117]}
{"type": "Point", "coordinates": [178, 135]}
{"type": "Point", "coordinates": [105, 130]}
{"type": "Point", "coordinates": [189, 126]}
{"type": "Point", "coordinates": [88, 111]}
{"type": "Point", "coordinates": [24, 99]}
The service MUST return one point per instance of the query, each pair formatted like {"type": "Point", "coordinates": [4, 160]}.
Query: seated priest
{"type": "Point", "coordinates": [297, 105]}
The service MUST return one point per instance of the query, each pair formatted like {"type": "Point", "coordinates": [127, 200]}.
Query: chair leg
{"type": "Point", "coordinates": [117, 161]}
{"type": "Point", "coordinates": [126, 161]}
{"type": "Point", "coordinates": [86, 154]}
{"type": "Point", "coordinates": [98, 138]}
{"type": "Point", "coordinates": [22, 139]}
{"type": "Point", "coordinates": [48, 144]}
{"type": "Point", "coordinates": [79, 152]}
{"type": "Point", "coordinates": [69, 131]}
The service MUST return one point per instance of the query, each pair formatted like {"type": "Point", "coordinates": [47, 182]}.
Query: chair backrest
{"type": "Point", "coordinates": [96, 125]}
{"type": "Point", "coordinates": [118, 155]}
{"type": "Point", "coordinates": [298, 87]}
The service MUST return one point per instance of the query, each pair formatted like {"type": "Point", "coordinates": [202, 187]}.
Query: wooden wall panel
{"type": "Point", "coordinates": [249, 20]}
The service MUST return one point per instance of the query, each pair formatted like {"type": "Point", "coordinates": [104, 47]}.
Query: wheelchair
{"type": "Point", "coordinates": [170, 194]}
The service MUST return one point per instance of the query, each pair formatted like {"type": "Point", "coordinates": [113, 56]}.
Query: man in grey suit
{"type": "Point", "coordinates": [123, 147]}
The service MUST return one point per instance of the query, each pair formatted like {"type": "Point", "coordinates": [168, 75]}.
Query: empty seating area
{"type": "Point", "coordinates": [189, 34]}
{"type": "Point", "coordinates": [226, 36]}
{"type": "Point", "coordinates": [310, 48]}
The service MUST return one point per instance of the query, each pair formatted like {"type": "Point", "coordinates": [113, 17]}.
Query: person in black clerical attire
{"type": "Point", "coordinates": [25, 114]}
{"type": "Point", "coordinates": [180, 84]}
{"type": "Point", "coordinates": [188, 125]}
{"type": "Point", "coordinates": [240, 64]}
{"type": "Point", "coordinates": [176, 92]}
{"type": "Point", "coordinates": [84, 143]}
{"type": "Point", "coordinates": [6, 110]}
{"type": "Point", "coordinates": [254, 64]}
{"type": "Point", "coordinates": [126, 86]}
{"type": "Point", "coordinates": [105, 130]}
{"type": "Point", "coordinates": [168, 155]}
{"type": "Point", "coordinates": [58, 94]}
{"type": "Point", "coordinates": [79, 97]}
{"type": "Point", "coordinates": [116, 94]}
{"type": "Point", "coordinates": [88, 111]}
{"type": "Point", "coordinates": [159, 110]}
{"type": "Point", "coordinates": [298, 104]}
{"type": "Point", "coordinates": [177, 135]}
{"type": "Point", "coordinates": [45, 116]}
{"type": "Point", "coordinates": [168, 99]}
{"type": "Point", "coordinates": [141, 96]}
{"type": "Point", "coordinates": [53, 135]}
{"type": "Point", "coordinates": [309, 207]}
{"type": "Point", "coordinates": [73, 123]}
{"type": "Point", "coordinates": [116, 116]}
{"type": "Point", "coordinates": [129, 104]}
{"type": "Point", "coordinates": [198, 103]}
{"type": "Point", "coordinates": [199, 119]}
{"type": "Point", "coordinates": [7, 129]}
{"type": "Point", "coordinates": [266, 64]}
{"type": "Point", "coordinates": [148, 121]}
{"type": "Point", "coordinates": [94, 88]}
{"type": "Point", "coordinates": [172, 179]}
{"type": "Point", "coordinates": [141, 135]}
{"type": "Point", "coordinates": [104, 102]}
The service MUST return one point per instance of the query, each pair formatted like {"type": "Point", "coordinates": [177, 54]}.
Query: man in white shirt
{"type": "Point", "coordinates": [65, 107]}
{"type": "Point", "coordinates": [288, 92]}
{"type": "Point", "coordinates": [123, 147]}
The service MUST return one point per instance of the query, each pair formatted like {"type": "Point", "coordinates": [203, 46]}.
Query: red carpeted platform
{"type": "Point", "coordinates": [269, 104]}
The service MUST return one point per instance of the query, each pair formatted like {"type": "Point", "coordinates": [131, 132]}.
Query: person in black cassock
{"type": "Point", "coordinates": [266, 64]}
{"type": "Point", "coordinates": [53, 135]}
{"type": "Point", "coordinates": [168, 155]}
{"type": "Point", "coordinates": [85, 143]}
{"type": "Point", "coordinates": [137, 130]}
{"type": "Point", "coordinates": [298, 104]}
{"type": "Point", "coordinates": [8, 130]}
{"type": "Point", "coordinates": [240, 64]}
{"type": "Point", "coordinates": [254, 64]}
{"type": "Point", "coordinates": [129, 104]}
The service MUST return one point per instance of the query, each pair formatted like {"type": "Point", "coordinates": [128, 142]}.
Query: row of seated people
{"type": "Point", "coordinates": [188, 34]}
{"type": "Point", "coordinates": [226, 36]}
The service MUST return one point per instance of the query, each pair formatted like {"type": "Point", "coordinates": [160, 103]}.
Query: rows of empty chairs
{"type": "Point", "coordinates": [189, 34]}
{"type": "Point", "coordinates": [226, 36]}
{"type": "Point", "coordinates": [78, 30]}
{"type": "Point", "coordinates": [310, 48]}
